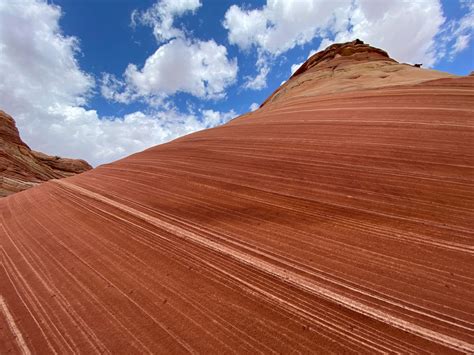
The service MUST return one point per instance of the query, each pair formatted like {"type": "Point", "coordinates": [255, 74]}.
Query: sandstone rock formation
{"type": "Point", "coordinates": [347, 67]}
{"type": "Point", "coordinates": [336, 218]}
{"type": "Point", "coordinates": [22, 168]}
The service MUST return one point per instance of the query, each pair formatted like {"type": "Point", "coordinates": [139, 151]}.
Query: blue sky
{"type": "Point", "coordinates": [101, 79]}
{"type": "Point", "coordinates": [109, 43]}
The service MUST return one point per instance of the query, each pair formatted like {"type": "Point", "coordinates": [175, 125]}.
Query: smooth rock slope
{"type": "Point", "coordinates": [22, 168]}
{"type": "Point", "coordinates": [336, 218]}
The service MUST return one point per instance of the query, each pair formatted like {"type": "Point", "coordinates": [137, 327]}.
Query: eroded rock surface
{"type": "Point", "coordinates": [350, 66]}
{"type": "Point", "coordinates": [338, 218]}
{"type": "Point", "coordinates": [22, 168]}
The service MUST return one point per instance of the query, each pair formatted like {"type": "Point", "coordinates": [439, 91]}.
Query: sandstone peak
{"type": "Point", "coordinates": [350, 66]}
{"type": "Point", "coordinates": [22, 168]}
{"type": "Point", "coordinates": [339, 53]}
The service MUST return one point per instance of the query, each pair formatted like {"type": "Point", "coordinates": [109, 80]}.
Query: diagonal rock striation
{"type": "Point", "coordinates": [335, 218]}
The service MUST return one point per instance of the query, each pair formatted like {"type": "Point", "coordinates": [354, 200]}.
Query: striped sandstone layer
{"type": "Point", "coordinates": [326, 221]}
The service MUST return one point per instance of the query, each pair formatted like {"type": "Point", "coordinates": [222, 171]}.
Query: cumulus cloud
{"type": "Point", "coordinates": [259, 81]}
{"type": "Point", "coordinates": [76, 131]}
{"type": "Point", "coordinates": [281, 25]}
{"type": "Point", "coordinates": [114, 89]}
{"type": "Point", "coordinates": [254, 106]}
{"type": "Point", "coordinates": [35, 57]}
{"type": "Point", "coordinates": [181, 64]}
{"type": "Point", "coordinates": [211, 118]}
{"type": "Point", "coordinates": [277, 27]}
{"type": "Point", "coordinates": [44, 89]}
{"type": "Point", "coordinates": [200, 68]}
{"type": "Point", "coordinates": [161, 17]}
{"type": "Point", "coordinates": [408, 30]}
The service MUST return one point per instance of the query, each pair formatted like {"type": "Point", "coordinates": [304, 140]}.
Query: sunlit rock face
{"type": "Point", "coordinates": [22, 168]}
{"type": "Point", "coordinates": [335, 218]}
{"type": "Point", "coordinates": [350, 66]}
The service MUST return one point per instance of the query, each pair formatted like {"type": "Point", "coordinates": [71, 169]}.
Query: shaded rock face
{"type": "Point", "coordinates": [324, 222]}
{"type": "Point", "coordinates": [22, 168]}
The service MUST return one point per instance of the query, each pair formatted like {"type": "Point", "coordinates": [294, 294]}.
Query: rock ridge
{"type": "Point", "coordinates": [356, 50]}
{"type": "Point", "coordinates": [350, 66]}
{"type": "Point", "coordinates": [22, 168]}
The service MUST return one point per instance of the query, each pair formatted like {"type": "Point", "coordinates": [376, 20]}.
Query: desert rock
{"type": "Point", "coordinates": [22, 168]}
{"type": "Point", "coordinates": [336, 218]}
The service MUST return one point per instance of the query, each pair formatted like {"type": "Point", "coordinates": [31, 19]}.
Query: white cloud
{"type": "Point", "coordinates": [35, 57]}
{"type": "Point", "coordinates": [44, 89]}
{"type": "Point", "coordinates": [200, 68]}
{"type": "Point", "coordinates": [254, 106]}
{"type": "Point", "coordinates": [75, 131]}
{"type": "Point", "coordinates": [457, 34]}
{"type": "Point", "coordinates": [408, 30]}
{"type": "Point", "coordinates": [281, 24]}
{"type": "Point", "coordinates": [296, 66]}
{"type": "Point", "coordinates": [161, 17]}
{"type": "Point", "coordinates": [259, 81]}
{"type": "Point", "coordinates": [462, 42]}
{"type": "Point", "coordinates": [114, 89]}
{"type": "Point", "coordinates": [211, 118]}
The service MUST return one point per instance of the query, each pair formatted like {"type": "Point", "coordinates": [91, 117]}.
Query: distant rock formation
{"type": "Point", "coordinates": [22, 168]}
{"type": "Point", "coordinates": [355, 51]}
{"type": "Point", "coordinates": [347, 67]}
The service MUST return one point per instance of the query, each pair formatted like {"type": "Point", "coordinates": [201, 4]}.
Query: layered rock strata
{"type": "Point", "coordinates": [336, 218]}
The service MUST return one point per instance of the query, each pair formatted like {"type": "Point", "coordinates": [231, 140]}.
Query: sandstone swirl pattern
{"type": "Point", "coordinates": [338, 222]}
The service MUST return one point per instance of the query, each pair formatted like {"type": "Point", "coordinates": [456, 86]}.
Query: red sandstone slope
{"type": "Point", "coordinates": [337, 222]}
{"type": "Point", "coordinates": [22, 168]}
